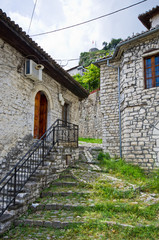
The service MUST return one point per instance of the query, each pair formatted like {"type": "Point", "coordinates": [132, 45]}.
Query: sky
{"type": "Point", "coordinates": [68, 44]}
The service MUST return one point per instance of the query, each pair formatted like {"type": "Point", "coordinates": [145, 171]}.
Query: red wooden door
{"type": "Point", "coordinates": [40, 115]}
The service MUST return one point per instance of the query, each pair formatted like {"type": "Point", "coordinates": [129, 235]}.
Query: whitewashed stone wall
{"type": "Point", "coordinates": [17, 96]}
{"type": "Point", "coordinates": [139, 108]}
{"type": "Point", "coordinates": [90, 117]}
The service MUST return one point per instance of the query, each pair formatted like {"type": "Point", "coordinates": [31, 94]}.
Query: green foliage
{"type": "Point", "coordinates": [149, 183]}
{"type": "Point", "coordinates": [90, 140]}
{"type": "Point", "coordinates": [153, 184]}
{"type": "Point", "coordinates": [103, 156]}
{"type": "Point", "coordinates": [86, 58]}
{"type": "Point", "coordinates": [112, 44]}
{"type": "Point", "coordinates": [105, 190]}
{"type": "Point", "coordinates": [91, 78]}
{"type": "Point", "coordinates": [79, 79]}
{"type": "Point", "coordinates": [121, 168]}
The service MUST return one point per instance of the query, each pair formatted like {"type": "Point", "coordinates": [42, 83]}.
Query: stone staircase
{"type": "Point", "coordinates": [54, 163]}
{"type": "Point", "coordinates": [65, 196]}
{"type": "Point", "coordinates": [59, 204]}
{"type": "Point", "coordinates": [70, 201]}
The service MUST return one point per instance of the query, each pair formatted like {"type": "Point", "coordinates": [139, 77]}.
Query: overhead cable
{"type": "Point", "coordinates": [32, 15]}
{"type": "Point", "coordinates": [93, 19]}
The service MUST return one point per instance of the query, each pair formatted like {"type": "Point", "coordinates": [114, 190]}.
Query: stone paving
{"type": "Point", "coordinates": [67, 199]}
{"type": "Point", "coordinates": [61, 208]}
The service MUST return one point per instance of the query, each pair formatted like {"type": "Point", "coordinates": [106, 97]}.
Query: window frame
{"type": "Point", "coordinates": [153, 71]}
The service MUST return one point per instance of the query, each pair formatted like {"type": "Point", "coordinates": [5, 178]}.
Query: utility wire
{"type": "Point", "coordinates": [93, 19]}
{"type": "Point", "coordinates": [32, 15]}
{"type": "Point", "coordinates": [73, 59]}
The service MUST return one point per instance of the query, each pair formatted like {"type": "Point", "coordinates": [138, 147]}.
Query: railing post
{"type": "Point", "coordinates": [69, 129]}
{"type": "Point", "coordinates": [42, 152]}
{"type": "Point", "coordinates": [57, 135]}
{"type": "Point", "coordinates": [15, 184]}
{"type": "Point", "coordinates": [77, 135]}
{"type": "Point", "coordinates": [53, 136]}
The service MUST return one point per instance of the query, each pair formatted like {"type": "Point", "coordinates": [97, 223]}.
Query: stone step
{"type": "Point", "coordinates": [53, 206]}
{"type": "Point", "coordinates": [67, 177]}
{"type": "Point", "coordinates": [6, 217]}
{"type": "Point", "coordinates": [52, 194]}
{"type": "Point", "coordinates": [64, 184]}
{"type": "Point", "coordinates": [53, 224]}
{"type": "Point", "coordinates": [5, 222]}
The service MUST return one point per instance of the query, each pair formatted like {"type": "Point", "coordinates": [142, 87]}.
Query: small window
{"type": "Point", "coordinates": [151, 67]}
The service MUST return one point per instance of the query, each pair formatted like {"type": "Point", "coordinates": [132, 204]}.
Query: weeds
{"type": "Point", "coordinates": [148, 183]}
{"type": "Point", "coordinates": [90, 140]}
{"type": "Point", "coordinates": [112, 209]}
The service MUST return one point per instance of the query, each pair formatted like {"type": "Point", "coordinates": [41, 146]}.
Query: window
{"type": "Point", "coordinates": [151, 67]}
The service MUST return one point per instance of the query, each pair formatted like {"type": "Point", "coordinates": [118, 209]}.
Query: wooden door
{"type": "Point", "coordinates": [43, 115]}
{"type": "Point", "coordinates": [40, 115]}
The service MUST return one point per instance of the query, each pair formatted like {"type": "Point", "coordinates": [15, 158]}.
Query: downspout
{"type": "Point", "coordinates": [120, 147]}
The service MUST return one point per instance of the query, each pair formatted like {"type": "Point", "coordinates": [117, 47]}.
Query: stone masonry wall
{"type": "Point", "coordinates": [90, 118]}
{"type": "Point", "coordinates": [109, 109]}
{"type": "Point", "coordinates": [139, 106]}
{"type": "Point", "coordinates": [17, 98]}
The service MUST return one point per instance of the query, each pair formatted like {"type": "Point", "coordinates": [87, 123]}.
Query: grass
{"type": "Point", "coordinates": [118, 167]}
{"type": "Point", "coordinates": [90, 140]}
{"type": "Point", "coordinates": [93, 230]}
{"type": "Point", "coordinates": [112, 198]}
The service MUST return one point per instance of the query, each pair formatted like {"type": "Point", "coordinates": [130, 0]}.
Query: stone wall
{"type": "Point", "coordinates": [109, 109]}
{"type": "Point", "coordinates": [17, 99]}
{"type": "Point", "coordinates": [139, 106]}
{"type": "Point", "coordinates": [90, 118]}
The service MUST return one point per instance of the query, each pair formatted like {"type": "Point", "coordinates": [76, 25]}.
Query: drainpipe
{"type": "Point", "coordinates": [118, 68]}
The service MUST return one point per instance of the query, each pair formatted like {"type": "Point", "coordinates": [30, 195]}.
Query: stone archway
{"type": "Point", "coordinates": [40, 114]}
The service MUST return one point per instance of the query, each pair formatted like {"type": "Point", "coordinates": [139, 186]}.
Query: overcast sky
{"type": "Point", "coordinates": [68, 44]}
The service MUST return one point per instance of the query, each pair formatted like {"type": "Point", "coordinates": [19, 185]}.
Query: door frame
{"type": "Point", "coordinates": [40, 114]}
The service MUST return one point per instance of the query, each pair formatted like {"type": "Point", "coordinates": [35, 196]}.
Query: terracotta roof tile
{"type": "Point", "coordinates": [145, 17]}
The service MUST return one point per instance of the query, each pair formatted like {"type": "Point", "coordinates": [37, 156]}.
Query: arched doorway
{"type": "Point", "coordinates": [40, 114]}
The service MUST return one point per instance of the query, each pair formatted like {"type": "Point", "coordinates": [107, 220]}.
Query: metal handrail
{"type": "Point", "coordinates": [18, 176]}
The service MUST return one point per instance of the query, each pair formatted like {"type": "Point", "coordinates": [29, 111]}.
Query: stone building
{"type": "Point", "coordinates": [90, 117]}
{"type": "Point", "coordinates": [130, 96]}
{"type": "Point", "coordinates": [34, 90]}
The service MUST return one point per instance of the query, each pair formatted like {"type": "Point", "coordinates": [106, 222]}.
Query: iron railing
{"type": "Point", "coordinates": [14, 181]}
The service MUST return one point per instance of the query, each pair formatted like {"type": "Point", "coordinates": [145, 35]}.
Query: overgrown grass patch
{"type": "Point", "coordinates": [90, 140]}
{"type": "Point", "coordinates": [90, 230]}
{"type": "Point", "coordinates": [81, 187]}
{"type": "Point", "coordinates": [118, 167]}
{"type": "Point", "coordinates": [106, 191]}
{"type": "Point", "coordinates": [121, 168]}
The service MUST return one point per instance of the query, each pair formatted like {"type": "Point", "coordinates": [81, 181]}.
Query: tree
{"type": "Point", "coordinates": [86, 58]}
{"type": "Point", "coordinates": [105, 44]}
{"type": "Point", "coordinates": [112, 44]}
{"type": "Point", "coordinates": [91, 78]}
{"type": "Point", "coordinates": [79, 79]}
